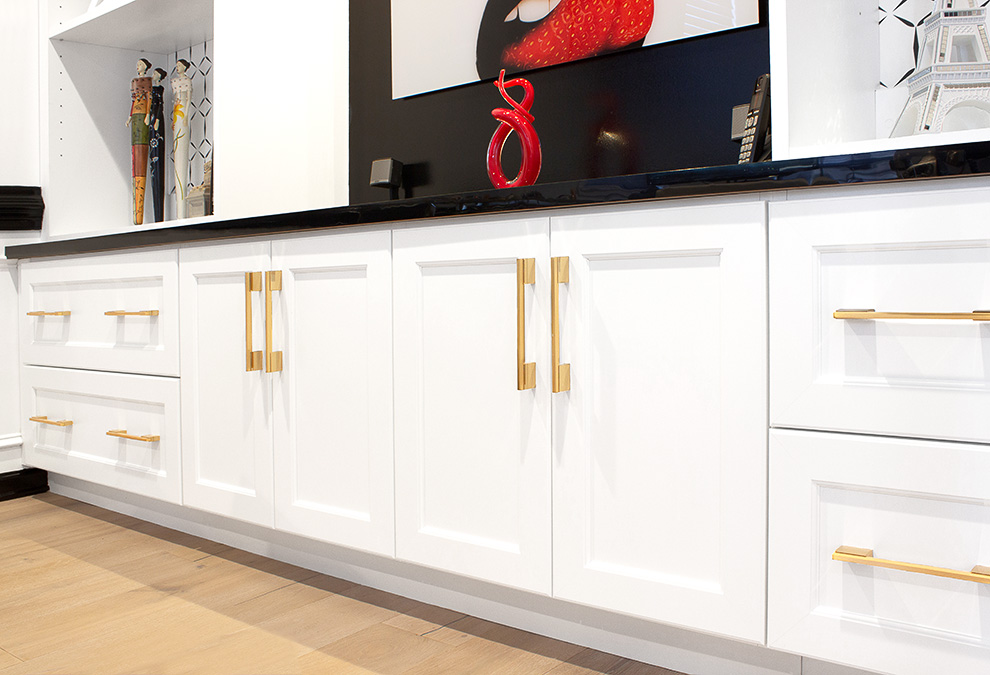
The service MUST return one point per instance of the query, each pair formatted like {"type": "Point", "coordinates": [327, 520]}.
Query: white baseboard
{"type": "Point", "coordinates": [658, 644]}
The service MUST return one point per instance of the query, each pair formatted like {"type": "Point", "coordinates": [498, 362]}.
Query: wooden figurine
{"type": "Point", "coordinates": [156, 125]}
{"type": "Point", "coordinates": [138, 122]}
{"type": "Point", "coordinates": [181, 94]}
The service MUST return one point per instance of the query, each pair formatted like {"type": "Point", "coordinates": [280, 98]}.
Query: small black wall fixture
{"type": "Point", "coordinates": [21, 208]}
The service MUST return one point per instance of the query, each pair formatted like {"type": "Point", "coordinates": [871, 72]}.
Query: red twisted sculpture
{"type": "Point", "coordinates": [519, 120]}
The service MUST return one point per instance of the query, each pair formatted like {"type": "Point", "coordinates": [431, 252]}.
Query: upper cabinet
{"type": "Point", "coordinates": [252, 96]}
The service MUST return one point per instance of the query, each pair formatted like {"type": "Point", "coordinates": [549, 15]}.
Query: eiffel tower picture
{"type": "Point", "coordinates": [950, 88]}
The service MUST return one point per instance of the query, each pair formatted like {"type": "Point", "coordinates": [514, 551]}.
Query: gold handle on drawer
{"type": "Point", "coordinates": [122, 433]}
{"type": "Point", "coordinates": [525, 372]}
{"type": "Point", "coordinates": [49, 313]}
{"type": "Point", "coordinates": [864, 556]}
{"type": "Point", "coordinates": [273, 360]}
{"type": "Point", "coordinates": [252, 284]}
{"type": "Point", "coordinates": [873, 315]}
{"type": "Point", "coordinates": [559, 274]}
{"type": "Point", "coordinates": [121, 312]}
{"type": "Point", "coordinates": [43, 419]}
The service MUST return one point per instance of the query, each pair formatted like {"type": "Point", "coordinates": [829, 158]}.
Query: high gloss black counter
{"type": "Point", "coordinates": [969, 159]}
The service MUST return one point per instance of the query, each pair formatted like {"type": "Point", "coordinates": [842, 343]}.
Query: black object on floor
{"type": "Point", "coordinates": [22, 483]}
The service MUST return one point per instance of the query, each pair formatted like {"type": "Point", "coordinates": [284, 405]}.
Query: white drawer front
{"type": "Point", "coordinates": [916, 502]}
{"type": "Point", "coordinates": [143, 407]}
{"type": "Point", "coordinates": [139, 289]}
{"type": "Point", "coordinates": [925, 378]}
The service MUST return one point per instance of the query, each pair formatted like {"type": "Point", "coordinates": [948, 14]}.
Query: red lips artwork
{"type": "Point", "coordinates": [574, 29]}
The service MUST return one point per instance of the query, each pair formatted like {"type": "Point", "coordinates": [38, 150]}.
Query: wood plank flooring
{"type": "Point", "coordinates": [85, 591]}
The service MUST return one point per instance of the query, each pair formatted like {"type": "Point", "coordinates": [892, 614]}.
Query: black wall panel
{"type": "Point", "coordinates": [651, 109]}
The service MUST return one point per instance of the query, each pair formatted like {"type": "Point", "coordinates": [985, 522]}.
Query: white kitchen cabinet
{"type": "Point", "coordinates": [109, 428]}
{"type": "Point", "coordinates": [659, 472]}
{"type": "Point", "coordinates": [297, 436]}
{"type": "Point", "coordinates": [472, 449]}
{"type": "Point", "coordinates": [916, 366]}
{"type": "Point", "coordinates": [333, 398]}
{"type": "Point", "coordinates": [922, 507]}
{"type": "Point", "coordinates": [226, 406]}
{"type": "Point", "coordinates": [113, 313]}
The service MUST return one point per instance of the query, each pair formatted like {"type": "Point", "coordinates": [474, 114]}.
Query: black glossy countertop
{"type": "Point", "coordinates": [969, 159]}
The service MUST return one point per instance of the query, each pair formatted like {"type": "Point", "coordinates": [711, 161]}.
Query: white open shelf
{"type": "Point", "coordinates": [825, 66]}
{"type": "Point", "coordinates": [157, 26]}
{"type": "Point", "coordinates": [91, 55]}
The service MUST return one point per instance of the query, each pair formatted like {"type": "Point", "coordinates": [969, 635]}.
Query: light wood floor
{"type": "Point", "coordinates": [88, 591]}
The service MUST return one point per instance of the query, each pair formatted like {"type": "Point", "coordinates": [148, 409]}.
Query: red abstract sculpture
{"type": "Point", "coordinates": [519, 120]}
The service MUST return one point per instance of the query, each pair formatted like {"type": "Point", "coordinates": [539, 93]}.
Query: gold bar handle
{"type": "Point", "coordinates": [864, 556]}
{"type": "Point", "coordinates": [43, 419]}
{"type": "Point", "coordinates": [873, 315]}
{"type": "Point", "coordinates": [122, 433]}
{"type": "Point", "coordinates": [49, 313]}
{"type": "Point", "coordinates": [525, 372]}
{"type": "Point", "coordinates": [121, 312]}
{"type": "Point", "coordinates": [252, 284]}
{"type": "Point", "coordinates": [273, 360]}
{"type": "Point", "coordinates": [559, 274]}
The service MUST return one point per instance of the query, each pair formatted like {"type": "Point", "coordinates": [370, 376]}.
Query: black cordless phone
{"type": "Point", "coordinates": [757, 121]}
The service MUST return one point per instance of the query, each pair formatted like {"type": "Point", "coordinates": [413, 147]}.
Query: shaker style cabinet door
{"type": "Point", "coordinates": [660, 441]}
{"type": "Point", "coordinates": [333, 398]}
{"type": "Point", "coordinates": [226, 393]}
{"type": "Point", "coordinates": [472, 449]}
{"type": "Point", "coordinates": [915, 363]}
{"type": "Point", "coordinates": [117, 313]}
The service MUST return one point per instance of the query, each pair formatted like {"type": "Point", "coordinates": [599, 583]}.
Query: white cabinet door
{"type": "Point", "coordinates": [333, 398]}
{"type": "Point", "coordinates": [472, 451]}
{"type": "Point", "coordinates": [226, 409]}
{"type": "Point", "coordinates": [660, 444]}
{"type": "Point", "coordinates": [923, 508]}
{"type": "Point", "coordinates": [923, 253]}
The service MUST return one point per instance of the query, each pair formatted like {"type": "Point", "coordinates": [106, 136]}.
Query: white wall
{"type": "Point", "coordinates": [10, 436]}
{"type": "Point", "coordinates": [20, 152]}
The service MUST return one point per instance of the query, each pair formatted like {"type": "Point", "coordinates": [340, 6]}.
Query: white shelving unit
{"type": "Point", "coordinates": [280, 113]}
{"type": "Point", "coordinates": [91, 51]}
{"type": "Point", "coordinates": [825, 74]}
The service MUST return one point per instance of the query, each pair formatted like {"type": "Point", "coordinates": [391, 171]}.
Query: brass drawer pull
{"type": "Point", "coordinates": [525, 372]}
{"type": "Point", "coordinates": [49, 313]}
{"type": "Point", "coordinates": [559, 274]}
{"type": "Point", "coordinates": [873, 315]}
{"type": "Point", "coordinates": [43, 419]}
{"type": "Point", "coordinates": [252, 284]}
{"type": "Point", "coordinates": [122, 433]}
{"type": "Point", "coordinates": [273, 359]}
{"type": "Point", "coordinates": [864, 556]}
{"type": "Point", "coordinates": [121, 312]}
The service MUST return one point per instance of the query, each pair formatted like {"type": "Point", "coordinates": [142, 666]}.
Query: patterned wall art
{"type": "Point", "coordinates": [200, 58]}
{"type": "Point", "coordinates": [438, 44]}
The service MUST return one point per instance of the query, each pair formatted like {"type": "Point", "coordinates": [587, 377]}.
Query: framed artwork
{"type": "Point", "coordinates": [438, 44]}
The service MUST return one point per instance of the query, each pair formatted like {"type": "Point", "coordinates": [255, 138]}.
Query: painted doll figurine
{"type": "Point", "coordinates": [138, 122]}
{"type": "Point", "coordinates": [181, 93]}
{"type": "Point", "coordinates": [156, 126]}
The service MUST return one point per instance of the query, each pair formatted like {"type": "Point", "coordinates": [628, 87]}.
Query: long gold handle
{"type": "Point", "coordinates": [525, 372]}
{"type": "Point", "coordinates": [43, 419]}
{"type": "Point", "coordinates": [864, 556]}
{"type": "Point", "coordinates": [122, 433]}
{"type": "Point", "coordinates": [252, 284]}
{"type": "Point", "coordinates": [273, 360]}
{"type": "Point", "coordinates": [559, 274]}
{"type": "Point", "coordinates": [121, 312]}
{"type": "Point", "coordinates": [873, 315]}
{"type": "Point", "coordinates": [49, 313]}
